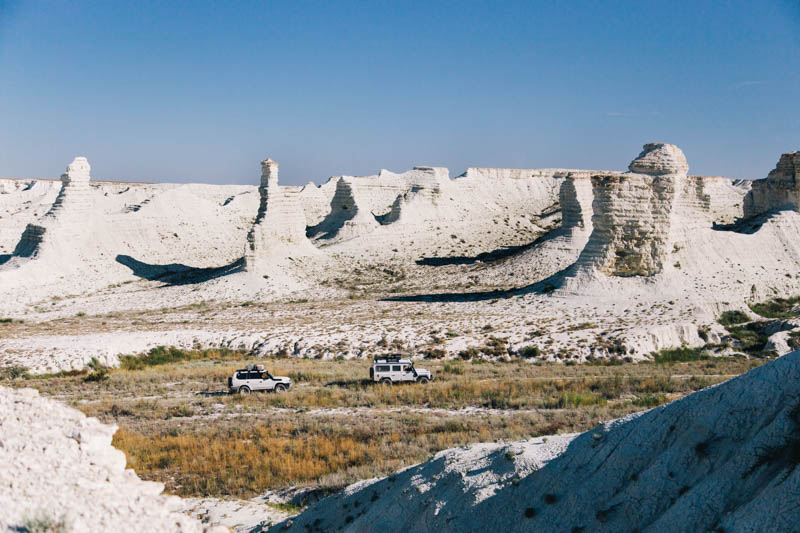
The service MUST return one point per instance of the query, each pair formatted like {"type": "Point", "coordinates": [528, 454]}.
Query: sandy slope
{"type": "Point", "coordinates": [722, 459]}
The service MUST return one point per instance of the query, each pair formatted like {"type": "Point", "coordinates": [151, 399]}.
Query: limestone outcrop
{"type": "Point", "coordinates": [58, 467]}
{"type": "Point", "coordinates": [780, 190]}
{"type": "Point", "coordinates": [361, 204]}
{"type": "Point", "coordinates": [279, 224]}
{"type": "Point", "coordinates": [64, 224]}
{"type": "Point", "coordinates": [639, 216]}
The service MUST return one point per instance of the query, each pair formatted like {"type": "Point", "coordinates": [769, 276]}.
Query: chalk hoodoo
{"type": "Point", "coordinates": [638, 215]}
{"type": "Point", "coordinates": [62, 224]}
{"type": "Point", "coordinates": [780, 190]}
{"type": "Point", "coordinates": [280, 220]}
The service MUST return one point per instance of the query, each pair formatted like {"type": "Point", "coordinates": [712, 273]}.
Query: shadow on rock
{"type": "Point", "coordinates": [176, 273]}
{"type": "Point", "coordinates": [488, 257]}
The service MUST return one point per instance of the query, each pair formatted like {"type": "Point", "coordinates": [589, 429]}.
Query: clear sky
{"type": "Point", "coordinates": [203, 91]}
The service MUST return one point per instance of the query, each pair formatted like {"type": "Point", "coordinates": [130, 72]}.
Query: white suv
{"type": "Point", "coordinates": [392, 369]}
{"type": "Point", "coordinates": [255, 378]}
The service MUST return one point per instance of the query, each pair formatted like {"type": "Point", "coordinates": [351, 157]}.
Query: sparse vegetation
{"type": "Point", "coordinates": [778, 308]}
{"type": "Point", "coordinates": [267, 441]}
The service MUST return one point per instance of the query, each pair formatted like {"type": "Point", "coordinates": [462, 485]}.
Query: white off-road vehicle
{"type": "Point", "coordinates": [255, 378]}
{"type": "Point", "coordinates": [393, 369]}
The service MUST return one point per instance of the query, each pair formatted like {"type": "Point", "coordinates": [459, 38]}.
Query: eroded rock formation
{"type": "Point", "coordinates": [780, 190]}
{"type": "Point", "coordinates": [279, 222]}
{"type": "Point", "coordinates": [639, 216]}
{"type": "Point", "coordinates": [63, 224]}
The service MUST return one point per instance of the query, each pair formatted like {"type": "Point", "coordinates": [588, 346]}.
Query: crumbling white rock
{"type": "Point", "coordinates": [780, 190]}
{"type": "Point", "coordinates": [57, 464]}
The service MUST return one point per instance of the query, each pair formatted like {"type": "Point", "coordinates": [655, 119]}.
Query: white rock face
{"type": "Point", "coordinates": [58, 464]}
{"type": "Point", "coordinates": [64, 225]}
{"type": "Point", "coordinates": [780, 190]}
{"type": "Point", "coordinates": [280, 223]}
{"type": "Point", "coordinates": [722, 459]}
{"type": "Point", "coordinates": [639, 215]}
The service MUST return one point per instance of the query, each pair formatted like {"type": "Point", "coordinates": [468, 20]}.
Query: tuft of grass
{"type": "Point", "coordinates": [41, 522]}
{"type": "Point", "coordinates": [679, 355]}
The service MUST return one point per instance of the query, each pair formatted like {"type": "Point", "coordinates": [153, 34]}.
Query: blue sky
{"type": "Point", "coordinates": [201, 91]}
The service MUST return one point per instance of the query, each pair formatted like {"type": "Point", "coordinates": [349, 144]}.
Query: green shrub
{"type": "Point", "coordinates": [750, 337]}
{"type": "Point", "coordinates": [530, 351]}
{"type": "Point", "coordinates": [777, 308]}
{"type": "Point", "coordinates": [794, 340]}
{"type": "Point", "coordinates": [729, 318]}
{"type": "Point", "coordinates": [679, 355]}
{"type": "Point", "coordinates": [99, 372]}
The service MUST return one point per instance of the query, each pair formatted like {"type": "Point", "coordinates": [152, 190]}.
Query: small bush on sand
{"type": "Point", "coordinates": [99, 372]}
{"type": "Point", "coordinates": [8, 373]}
{"type": "Point", "coordinates": [529, 352]}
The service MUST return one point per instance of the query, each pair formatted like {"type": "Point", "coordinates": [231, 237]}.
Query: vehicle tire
{"type": "Point", "coordinates": [423, 380]}
{"type": "Point", "coordinates": [280, 387]}
{"type": "Point", "coordinates": [244, 390]}
{"type": "Point", "coordinates": [386, 381]}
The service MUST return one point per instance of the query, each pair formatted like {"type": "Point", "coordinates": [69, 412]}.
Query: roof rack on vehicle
{"type": "Point", "coordinates": [394, 357]}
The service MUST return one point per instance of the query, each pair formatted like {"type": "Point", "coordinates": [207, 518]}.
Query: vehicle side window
{"type": "Point", "coordinates": [396, 368]}
{"type": "Point", "coordinates": [241, 375]}
{"type": "Point", "coordinates": [255, 375]}
{"type": "Point", "coordinates": [383, 368]}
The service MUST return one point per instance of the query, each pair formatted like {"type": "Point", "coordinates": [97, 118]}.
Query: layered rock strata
{"type": "Point", "coordinates": [639, 216]}
{"type": "Point", "coordinates": [279, 223]}
{"type": "Point", "coordinates": [780, 190]}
